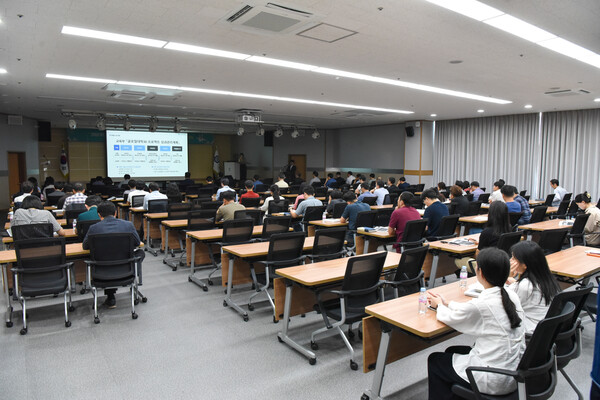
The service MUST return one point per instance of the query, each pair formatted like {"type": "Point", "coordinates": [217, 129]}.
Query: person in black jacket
{"type": "Point", "coordinates": [458, 203]}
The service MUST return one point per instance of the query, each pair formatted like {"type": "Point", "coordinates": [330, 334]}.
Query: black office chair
{"type": "Point", "coordinates": [371, 200]}
{"type": "Point", "coordinates": [507, 240]}
{"type": "Point", "coordinates": [387, 199]}
{"type": "Point", "coordinates": [567, 197]}
{"type": "Point", "coordinates": [360, 288]}
{"type": "Point", "coordinates": [549, 200]}
{"type": "Point", "coordinates": [484, 197]}
{"type": "Point", "coordinates": [137, 201]}
{"type": "Point", "coordinates": [474, 208]}
{"type": "Point", "coordinates": [273, 225]}
{"type": "Point", "coordinates": [261, 187]}
{"type": "Point", "coordinates": [470, 197]}
{"type": "Point", "coordinates": [312, 213]}
{"type": "Point", "coordinates": [82, 228]}
{"type": "Point", "coordinates": [420, 187]}
{"type": "Point", "coordinates": [41, 270]}
{"type": "Point", "coordinates": [251, 202]}
{"type": "Point", "coordinates": [573, 210]}
{"type": "Point", "coordinates": [32, 231]}
{"type": "Point", "coordinates": [295, 189]}
{"type": "Point", "coordinates": [568, 341]}
{"type": "Point", "coordinates": [235, 231]}
{"type": "Point", "coordinates": [177, 211]}
{"type": "Point", "coordinates": [561, 213]}
{"type": "Point", "coordinates": [255, 215]}
{"type": "Point", "coordinates": [328, 244]}
{"type": "Point", "coordinates": [52, 200]}
{"type": "Point", "coordinates": [551, 241]}
{"type": "Point", "coordinates": [514, 218]}
{"type": "Point", "coordinates": [158, 206]}
{"type": "Point", "coordinates": [394, 198]}
{"type": "Point", "coordinates": [576, 235]}
{"type": "Point", "coordinates": [522, 193]}
{"type": "Point", "coordinates": [72, 214]}
{"type": "Point", "coordinates": [383, 216]}
{"type": "Point", "coordinates": [447, 228]}
{"type": "Point", "coordinates": [538, 214]}
{"type": "Point", "coordinates": [364, 219]}
{"type": "Point", "coordinates": [536, 373]}
{"type": "Point", "coordinates": [320, 191]}
{"type": "Point", "coordinates": [115, 261]}
{"type": "Point", "coordinates": [211, 205]}
{"type": "Point", "coordinates": [285, 250]}
{"type": "Point", "coordinates": [413, 236]}
{"type": "Point", "coordinates": [282, 205]}
{"type": "Point", "coordinates": [175, 199]}
{"type": "Point", "coordinates": [408, 277]}
{"type": "Point", "coordinates": [192, 189]}
{"type": "Point", "coordinates": [338, 209]}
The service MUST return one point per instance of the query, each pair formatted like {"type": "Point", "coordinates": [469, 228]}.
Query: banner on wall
{"type": "Point", "coordinates": [64, 165]}
{"type": "Point", "coordinates": [216, 162]}
{"type": "Point", "coordinates": [200, 138]}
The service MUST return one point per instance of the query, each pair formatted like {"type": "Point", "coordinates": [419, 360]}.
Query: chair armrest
{"type": "Point", "coordinates": [42, 269]}
{"type": "Point", "coordinates": [115, 262]}
{"type": "Point", "coordinates": [406, 282]}
{"type": "Point", "coordinates": [499, 371]}
{"type": "Point", "coordinates": [344, 293]}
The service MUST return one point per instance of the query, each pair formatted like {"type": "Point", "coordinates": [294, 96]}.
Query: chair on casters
{"type": "Point", "coordinates": [364, 219]}
{"type": "Point", "coordinates": [115, 262]}
{"type": "Point", "coordinates": [576, 231]}
{"type": "Point", "coordinates": [538, 214]}
{"type": "Point", "coordinates": [41, 270]}
{"type": "Point", "coordinates": [273, 225]}
{"type": "Point", "coordinates": [312, 213]}
{"type": "Point", "coordinates": [561, 213]}
{"type": "Point", "coordinates": [536, 373]}
{"type": "Point", "coordinates": [408, 277]}
{"type": "Point", "coordinates": [413, 234]}
{"type": "Point", "coordinates": [285, 250]}
{"type": "Point", "coordinates": [328, 244]}
{"type": "Point", "coordinates": [507, 240]}
{"type": "Point", "coordinates": [447, 229]}
{"type": "Point", "coordinates": [552, 240]}
{"type": "Point", "coordinates": [360, 288]}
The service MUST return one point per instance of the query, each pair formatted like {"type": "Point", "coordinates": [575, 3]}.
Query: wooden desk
{"type": "Point", "coordinates": [69, 233]}
{"type": "Point", "coordinates": [49, 208]}
{"type": "Point", "coordinates": [123, 210]}
{"type": "Point", "coordinates": [437, 250]}
{"type": "Point", "coordinates": [472, 220]}
{"type": "Point", "coordinates": [369, 242]}
{"type": "Point", "coordinates": [167, 241]}
{"type": "Point", "coordinates": [239, 269]}
{"type": "Point", "coordinates": [543, 226]}
{"type": "Point", "coordinates": [153, 230]}
{"type": "Point", "coordinates": [536, 202]}
{"type": "Point", "coordinates": [395, 330]}
{"type": "Point", "coordinates": [295, 292]}
{"type": "Point", "coordinates": [137, 216]}
{"type": "Point", "coordinates": [382, 207]}
{"type": "Point", "coordinates": [574, 265]}
{"type": "Point", "coordinates": [61, 222]}
{"type": "Point", "coordinates": [324, 223]}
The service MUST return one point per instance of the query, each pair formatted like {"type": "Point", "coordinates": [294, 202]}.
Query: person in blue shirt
{"type": "Point", "coordinates": [309, 201]}
{"type": "Point", "coordinates": [508, 194]}
{"type": "Point", "coordinates": [350, 214]}
{"type": "Point", "coordinates": [434, 212]}
{"type": "Point", "coordinates": [402, 184]}
{"type": "Point", "coordinates": [364, 188]}
{"type": "Point", "coordinates": [475, 190]}
{"type": "Point", "coordinates": [257, 181]}
{"type": "Point", "coordinates": [330, 180]}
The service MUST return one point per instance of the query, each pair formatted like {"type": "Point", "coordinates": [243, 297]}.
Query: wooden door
{"type": "Point", "coordinates": [300, 161]}
{"type": "Point", "coordinates": [16, 172]}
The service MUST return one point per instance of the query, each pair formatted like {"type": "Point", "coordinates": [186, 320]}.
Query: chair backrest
{"type": "Point", "coordinates": [414, 230]}
{"type": "Point", "coordinates": [383, 216]}
{"type": "Point", "coordinates": [211, 205]}
{"type": "Point", "coordinates": [137, 201]}
{"type": "Point", "coordinates": [507, 240]}
{"type": "Point", "coordinates": [552, 240]}
{"type": "Point", "coordinates": [329, 241]}
{"type": "Point", "coordinates": [474, 207]}
{"type": "Point", "coordinates": [363, 272]}
{"type": "Point", "coordinates": [387, 199]}
{"type": "Point", "coordinates": [112, 247]}
{"type": "Point", "coordinates": [394, 198]}
{"type": "Point", "coordinates": [251, 201]}
{"type": "Point", "coordinates": [286, 247]}
{"type": "Point", "coordinates": [562, 208]}
{"type": "Point", "coordinates": [366, 219]}
{"type": "Point", "coordinates": [32, 231]}
{"type": "Point", "coordinates": [83, 227]}
{"type": "Point", "coordinates": [313, 213]}
{"type": "Point", "coordinates": [484, 197]}
{"type": "Point", "coordinates": [420, 187]}
{"type": "Point", "coordinates": [178, 210]}
{"type": "Point", "coordinates": [273, 225]}
{"type": "Point", "coordinates": [34, 257]}
{"type": "Point", "coordinates": [282, 205]}
{"type": "Point", "coordinates": [72, 214]}
{"type": "Point", "coordinates": [448, 225]}
{"type": "Point", "coordinates": [192, 189]}
{"type": "Point", "coordinates": [174, 199]}
{"type": "Point", "coordinates": [371, 200]}
{"type": "Point", "coordinates": [338, 209]}
{"type": "Point", "coordinates": [295, 189]}
{"type": "Point", "coordinates": [200, 220]}
{"type": "Point", "coordinates": [255, 215]}
{"type": "Point", "coordinates": [411, 264]}
{"type": "Point", "coordinates": [320, 191]}
{"type": "Point", "coordinates": [567, 197]}
{"type": "Point", "coordinates": [573, 209]}
{"type": "Point", "coordinates": [158, 205]}
{"type": "Point", "coordinates": [237, 231]}
{"type": "Point", "coordinates": [549, 200]}
{"type": "Point", "coordinates": [578, 224]}
{"type": "Point", "coordinates": [538, 214]}
{"type": "Point", "coordinates": [261, 187]}
{"type": "Point", "coordinates": [514, 217]}
{"type": "Point", "coordinates": [522, 193]}
{"type": "Point", "coordinates": [470, 197]}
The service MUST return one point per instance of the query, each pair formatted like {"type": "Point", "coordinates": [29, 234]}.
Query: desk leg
{"type": "Point", "coordinates": [283, 335]}
{"type": "Point", "coordinates": [9, 309]}
{"type": "Point", "coordinates": [192, 278]}
{"type": "Point", "coordinates": [148, 246]}
{"type": "Point", "coordinates": [529, 236]}
{"type": "Point", "coordinates": [462, 230]}
{"type": "Point", "coordinates": [432, 274]}
{"type": "Point", "coordinates": [228, 301]}
{"type": "Point", "coordinates": [375, 392]}
{"type": "Point", "coordinates": [165, 261]}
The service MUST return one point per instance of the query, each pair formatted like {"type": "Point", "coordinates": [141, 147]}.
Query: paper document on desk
{"type": "Point", "coordinates": [9, 231]}
{"type": "Point", "coordinates": [474, 290]}
{"type": "Point", "coordinates": [111, 198]}
{"type": "Point", "coordinates": [595, 253]}
{"type": "Point", "coordinates": [480, 218]}
{"type": "Point", "coordinates": [461, 242]}
{"type": "Point", "coordinates": [332, 220]}
{"type": "Point", "coordinates": [566, 222]}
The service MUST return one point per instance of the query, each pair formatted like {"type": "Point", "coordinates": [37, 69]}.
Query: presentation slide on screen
{"type": "Point", "coordinates": [146, 154]}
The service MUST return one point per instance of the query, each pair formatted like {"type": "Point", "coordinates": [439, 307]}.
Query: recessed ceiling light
{"type": "Point", "coordinates": [597, 100]}
{"type": "Point", "coordinates": [480, 111]}
{"type": "Point", "coordinates": [3, 71]}
{"type": "Point", "coordinates": [206, 51]}
{"type": "Point", "coordinates": [433, 115]}
{"type": "Point", "coordinates": [528, 106]}
{"type": "Point", "coordinates": [114, 37]}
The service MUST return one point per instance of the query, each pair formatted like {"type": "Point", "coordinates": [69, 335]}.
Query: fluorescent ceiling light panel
{"type": "Point", "coordinates": [281, 63]}
{"type": "Point", "coordinates": [206, 51]}
{"type": "Point", "coordinates": [80, 78]}
{"type": "Point", "coordinates": [519, 28]}
{"type": "Point", "coordinates": [114, 37]}
{"type": "Point", "coordinates": [470, 8]}
{"type": "Point", "coordinates": [3, 71]}
{"type": "Point", "coordinates": [572, 50]}
{"type": "Point", "coordinates": [343, 74]}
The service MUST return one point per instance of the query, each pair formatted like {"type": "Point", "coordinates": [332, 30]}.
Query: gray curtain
{"type": "Point", "coordinates": [486, 149]}
{"type": "Point", "coordinates": [571, 143]}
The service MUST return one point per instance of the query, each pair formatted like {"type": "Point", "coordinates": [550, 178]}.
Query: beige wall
{"type": "Point", "coordinates": [86, 160]}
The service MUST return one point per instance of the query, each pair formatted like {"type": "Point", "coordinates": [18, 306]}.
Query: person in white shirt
{"type": "Point", "coordinates": [350, 179]}
{"type": "Point", "coordinates": [139, 191]}
{"type": "Point", "coordinates": [380, 192]}
{"type": "Point", "coordinates": [532, 281]}
{"type": "Point", "coordinates": [154, 194]}
{"type": "Point", "coordinates": [495, 319]}
{"type": "Point", "coordinates": [27, 189]}
{"type": "Point", "coordinates": [281, 181]}
{"type": "Point", "coordinates": [315, 178]}
{"type": "Point", "coordinates": [496, 194]}
{"type": "Point", "coordinates": [224, 188]}
{"type": "Point", "coordinates": [559, 192]}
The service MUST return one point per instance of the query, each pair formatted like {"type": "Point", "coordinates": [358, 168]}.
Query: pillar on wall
{"type": "Point", "coordinates": [418, 153]}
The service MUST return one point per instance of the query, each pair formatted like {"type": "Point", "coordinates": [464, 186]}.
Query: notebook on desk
{"type": "Point", "coordinates": [461, 242]}
{"type": "Point", "coordinates": [474, 290]}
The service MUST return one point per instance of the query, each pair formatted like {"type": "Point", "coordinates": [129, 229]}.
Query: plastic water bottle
{"type": "Point", "coordinates": [10, 216]}
{"type": "Point", "coordinates": [422, 301]}
{"type": "Point", "coordinates": [74, 224]}
{"type": "Point", "coordinates": [324, 215]}
{"type": "Point", "coordinates": [463, 278]}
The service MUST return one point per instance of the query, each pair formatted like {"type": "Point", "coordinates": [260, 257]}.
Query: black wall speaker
{"type": "Point", "coordinates": [410, 131]}
{"type": "Point", "coordinates": [44, 129]}
{"type": "Point", "coordinates": [268, 138]}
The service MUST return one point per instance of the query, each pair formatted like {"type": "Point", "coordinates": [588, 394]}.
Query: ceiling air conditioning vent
{"type": "Point", "coordinates": [127, 95]}
{"type": "Point", "coordinates": [271, 18]}
{"type": "Point", "coordinates": [566, 92]}
{"type": "Point", "coordinates": [15, 120]}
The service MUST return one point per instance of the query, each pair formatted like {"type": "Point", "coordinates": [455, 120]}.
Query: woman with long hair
{"type": "Point", "coordinates": [276, 198]}
{"type": "Point", "coordinates": [173, 193]}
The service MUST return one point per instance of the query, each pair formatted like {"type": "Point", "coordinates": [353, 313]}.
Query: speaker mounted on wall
{"type": "Point", "coordinates": [268, 139]}
{"type": "Point", "coordinates": [410, 131]}
{"type": "Point", "coordinates": [44, 131]}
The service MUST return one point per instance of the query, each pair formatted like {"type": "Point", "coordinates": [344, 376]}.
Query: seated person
{"type": "Point", "coordinates": [494, 319]}
{"type": "Point", "coordinates": [224, 188]}
{"type": "Point", "coordinates": [274, 197]}
{"type": "Point", "coordinates": [297, 179]}
{"type": "Point", "coordinates": [68, 192]}
{"type": "Point", "coordinates": [435, 210]}
{"type": "Point", "coordinates": [227, 210]}
{"type": "Point", "coordinates": [57, 194]}
{"type": "Point", "coordinates": [402, 184]}
{"type": "Point", "coordinates": [188, 180]}
{"type": "Point", "coordinates": [475, 190]}
{"type": "Point", "coordinates": [125, 182]}
{"type": "Point", "coordinates": [91, 204]}
{"type": "Point", "coordinates": [358, 184]}
{"type": "Point", "coordinates": [334, 198]}
{"type": "Point", "coordinates": [281, 181]}
{"type": "Point", "coordinates": [496, 194]}
{"type": "Point", "coordinates": [77, 200]}
{"type": "Point", "coordinates": [508, 195]}
{"type": "Point", "coordinates": [26, 190]}
{"type": "Point", "coordinates": [257, 181]}
{"type": "Point", "coordinates": [380, 191]}
{"type": "Point", "coordinates": [364, 192]}
{"type": "Point", "coordinates": [372, 181]}
{"type": "Point", "coordinates": [154, 194]}
{"type": "Point", "coordinates": [330, 180]}
{"type": "Point", "coordinates": [350, 214]}
{"type": "Point", "coordinates": [401, 216]}
{"type": "Point", "coordinates": [592, 227]}
{"type": "Point", "coordinates": [309, 201]}
{"type": "Point", "coordinates": [173, 193]}
{"type": "Point", "coordinates": [532, 281]}
{"type": "Point", "coordinates": [315, 179]}
{"type": "Point", "coordinates": [391, 185]}
{"type": "Point", "coordinates": [109, 224]}
{"type": "Point", "coordinates": [210, 183]}
{"type": "Point", "coordinates": [250, 193]}
{"type": "Point", "coordinates": [32, 212]}
{"type": "Point", "coordinates": [559, 192]}
{"type": "Point", "coordinates": [139, 191]}
{"type": "Point", "coordinates": [458, 202]}
{"type": "Point", "coordinates": [130, 188]}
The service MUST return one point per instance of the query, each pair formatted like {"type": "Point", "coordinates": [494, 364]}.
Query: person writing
{"type": "Point", "coordinates": [227, 211]}
{"type": "Point", "coordinates": [401, 216]}
{"type": "Point", "coordinates": [32, 212]}
{"type": "Point", "coordinates": [494, 319]}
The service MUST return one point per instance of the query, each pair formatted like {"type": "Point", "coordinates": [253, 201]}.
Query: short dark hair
{"type": "Point", "coordinates": [508, 190]}
{"type": "Point", "coordinates": [430, 193]}
{"type": "Point", "coordinates": [59, 185]}
{"type": "Point", "coordinates": [32, 202]}
{"type": "Point", "coordinates": [316, 173]}
{"type": "Point", "coordinates": [26, 187]}
{"type": "Point", "coordinates": [106, 209]}
{"type": "Point", "coordinates": [349, 172]}
{"type": "Point", "coordinates": [127, 176]}
{"type": "Point", "coordinates": [349, 196]}
{"type": "Point", "coordinates": [93, 200]}
{"type": "Point", "coordinates": [281, 175]}
{"type": "Point", "coordinates": [68, 188]}
{"type": "Point", "coordinates": [475, 183]}
{"type": "Point", "coordinates": [209, 178]}
{"type": "Point", "coordinates": [187, 175]}
{"type": "Point", "coordinates": [309, 190]}
{"type": "Point", "coordinates": [335, 194]}
{"type": "Point", "coordinates": [139, 185]}
{"type": "Point", "coordinates": [132, 183]}
{"type": "Point", "coordinates": [228, 195]}
{"type": "Point", "coordinates": [554, 181]}
{"type": "Point", "coordinates": [249, 184]}
{"type": "Point", "coordinates": [225, 182]}
{"type": "Point", "coordinates": [78, 187]}
{"type": "Point", "coordinates": [392, 180]}
{"type": "Point", "coordinates": [499, 184]}
{"type": "Point", "coordinates": [361, 177]}
{"type": "Point", "coordinates": [153, 186]}
{"type": "Point", "coordinates": [365, 186]}
{"type": "Point", "coordinates": [407, 197]}
{"type": "Point", "coordinates": [456, 190]}
{"type": "Point", "coordinates": [380, 183]}
{"type": "Point", "coordinates": [402, 179]}
{"type": "Point", "coordinates": [372, 175]}
{"type": "Point", "coordinates": [256, 177]}
{"type": "Point", "coordinates": [330, 175]}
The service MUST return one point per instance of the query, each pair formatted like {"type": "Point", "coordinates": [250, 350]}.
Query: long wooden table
{"type": "Point", "coordinates": [531, 229]}
{"type": "Point", "coordinates": [61, 222]}
{"type": "Point", "coordinates": [153, 231]}
{"type": "Point", "coordinates": [441, 248]}
{"type": "Point", "coordinates": [324, 223]}
{"type": "Point", "coordinates": [574, 265]}
{"type": "Point", "coordinates": [368, 242]}
{"type": "Point", "coordinates": [295, 291]}
{"type": "Point", "coordinates": [69, 233]}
